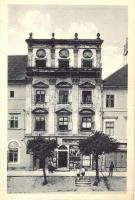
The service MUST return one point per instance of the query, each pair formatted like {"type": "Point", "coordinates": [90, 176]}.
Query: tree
{"type": "Point", "coordinates": [41, 148]}
{"type": "Point", "coordinates": [97, 144]}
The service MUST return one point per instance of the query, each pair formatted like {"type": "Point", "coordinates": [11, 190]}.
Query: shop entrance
{"type": "Point", "coordinates": [62, 157]}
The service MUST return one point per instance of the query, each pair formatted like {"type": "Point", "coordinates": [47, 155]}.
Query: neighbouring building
{"type": "Point", "coordinates": [57, 91]}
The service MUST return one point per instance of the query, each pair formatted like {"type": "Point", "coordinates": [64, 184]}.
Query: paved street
{"type": "Point", "coordinates": [62, 181]}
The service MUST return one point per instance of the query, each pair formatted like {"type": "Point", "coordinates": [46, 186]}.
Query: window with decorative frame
{"type": "Point", "coordinates": [13, 151]}
{"type": "Point", "coordinates": [13, 121]}
{"type": "Point", "coordinates": [63, 96]}
{"type": "Point", "coordinates": [86, 97]}
{"type": "Point", "coordinates": [40, 96]}
{"type": "Point", "coordinates": [86, 123]}
{"type": "Point", "coordinates": [110, 101]}
{"type": "Point", "coordinates": [109, 128]}
{"type": "Point", "coordinates": [63, 122]}
{"type": "Point", "coordinates": [39, 122]}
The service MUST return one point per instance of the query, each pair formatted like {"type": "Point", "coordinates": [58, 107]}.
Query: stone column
{"type": "Point", "coordinates": [98, 57]}
{"type": "Point", "coordinates": [75, 109]}
{"type": "Point", "coordinates": [75, 57]}
{"type": "Point", "coordinates": [52, 57]}
{"type": "Point", "coordinates": [51, 117]}
{"type": "Point", "coordinates": [28, 109]}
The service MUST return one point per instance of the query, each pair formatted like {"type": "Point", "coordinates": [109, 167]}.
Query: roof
{"type": "Point", "coordinates": [117, 79]}
{"type": "Point", "coordinates": [16, 67]}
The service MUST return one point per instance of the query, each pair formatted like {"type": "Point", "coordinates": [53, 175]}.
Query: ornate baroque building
{"type": "Point", "coordinates": [56, 91]}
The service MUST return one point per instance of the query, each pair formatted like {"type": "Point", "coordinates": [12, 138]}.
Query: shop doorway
{"type": "Point", "coordinates": [63, 157]}
{"type": "Point", "coordinates": [62, 162]}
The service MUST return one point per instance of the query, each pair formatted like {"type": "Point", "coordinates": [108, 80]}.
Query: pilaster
{"type": "Point", "coordinates": [51, 117]}
{"type": "Point", "coordinates": [75, 109]}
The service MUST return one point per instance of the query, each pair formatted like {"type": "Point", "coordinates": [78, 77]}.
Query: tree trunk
{"type": "Point", "coordinates": [97, 170]}
{"type": "Point", "coordinates": [45, 178]}
{"type": "Point", "coordinates": [44, 172]}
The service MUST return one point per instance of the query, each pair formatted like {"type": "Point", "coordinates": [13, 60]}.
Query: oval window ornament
{"type": "Point", "coordinates": [41, 53]}
{"type": "Point", "coordinates": [64, 53]}
{"type": "Point", "coordinates": [87, 53]}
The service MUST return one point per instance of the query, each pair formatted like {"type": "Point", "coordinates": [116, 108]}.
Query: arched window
{"type": "Point", "coordinates": [13, 151]}
{"type": "Point", "coordinates": [62, 147]}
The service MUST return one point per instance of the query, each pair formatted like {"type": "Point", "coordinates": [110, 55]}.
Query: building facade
{"type": "Point", "coordinates": [56, 91]}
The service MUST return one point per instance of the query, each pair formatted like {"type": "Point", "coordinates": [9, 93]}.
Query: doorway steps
{"type": "Point", "coordinates": [83, 181]}
{"type": "Point", "coordinates": [62, 169]}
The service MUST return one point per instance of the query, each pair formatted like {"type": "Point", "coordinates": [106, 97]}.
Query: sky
{"type": "Point", "coordinates": [42, 20]}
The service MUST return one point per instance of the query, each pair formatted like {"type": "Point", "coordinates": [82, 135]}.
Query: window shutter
{"type": "Point", "coordinates": [70, 97]}
{"type": "Point", "coordinates": [70, 126]}
{"type": "Point", "coordinates": [47, 98]}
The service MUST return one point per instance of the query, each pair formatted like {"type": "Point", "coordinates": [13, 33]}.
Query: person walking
{"type": "Point", "coordinates": [83, 171]}
{"type": "Point", "coordinates": [111, 169]}
{"type": "Point", "coordinates": [78, 173]}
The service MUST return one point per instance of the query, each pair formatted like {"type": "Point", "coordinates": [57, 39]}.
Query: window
{"type": "Point", "coordinates": [87, 63]}
{"type": "Point", "coordinates": [13, 121]}
{"type": "Point", "coordinates": [63, 97]}
{"type": "Point", "coordinates": [11, 94]}
{"type": "Point", "coordinates": [86, 97]}
{"type": "Point", "coordinates": [109, 127]}
{"type": "Point", "coordinates": [86, 123]}
{"type": "Point", "coordinates": [63, 63]}
{"type": "Point", "coordinates": [40, 63]}
{"type": "Point", "coordinates": [63, 123]}
{"type": "Point", "coordinates": [40, 123]}
{"type": "Point", "coordinates": [40, 96]}
{"type": "Point", "coordinates": [109, 101]}
{"type": "Point", "coordinates": [13, 152]}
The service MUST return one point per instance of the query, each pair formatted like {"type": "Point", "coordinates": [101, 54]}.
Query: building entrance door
{"type": "Point", "coordinates": [62, 158]}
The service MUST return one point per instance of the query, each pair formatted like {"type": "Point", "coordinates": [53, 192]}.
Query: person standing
{"type": "Point", "coordinates": [78, 173]}
{"type": "Point", "coordinates": [83, 171]}
{"type": "Point", "coordinates": [111, 169]}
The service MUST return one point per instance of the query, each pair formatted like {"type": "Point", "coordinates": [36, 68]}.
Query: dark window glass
{"type": "Point", "coordinates": [63, 97]}
{"type": "Point", "coordinates": [40, 96]}
{"type": "Point", "coordinates": [87, 63]}
{"type": "Point", "coordinates": [13, 155]}
{"type": "Point", "coordinates": [86, 123]}
{"type": "Point", "coordinates": [63, 123]}
{"type": "Point", "coordinates": [40, 123]}
{"type": "Point", "coordinates": [86, 97]}
{"type": "Point", "coordinates": [63, 63]}
{"type": "Point", "coordinates": [13, 122]}
{"type": "Point", "coordinates": [40, 63]}
{"type": "Point", "coordinates": [11, 94]}
{"type": "Point", "coordinates": [109, 101]}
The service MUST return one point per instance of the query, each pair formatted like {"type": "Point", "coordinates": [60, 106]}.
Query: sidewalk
{"type": "Point", "coordinates": [60, 173]}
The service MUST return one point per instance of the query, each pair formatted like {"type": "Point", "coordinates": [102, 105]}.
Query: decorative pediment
{"type": "Point", "coordinates": [86, 112]}
{"type": "Point", "coordinates": [40, 111]}
{"type": "Point", "coordinates": [40, 85]}
{"type": "Point", "coordinates": [87, 85]}
{"type": "Point", "coordinates": [64, 85]}
{"type": "Point", "coordinates": [63, 111]}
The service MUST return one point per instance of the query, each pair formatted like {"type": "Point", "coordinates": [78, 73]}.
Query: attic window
{"type": "Point", "coordinates": [40, 63]}
{"type": "Point", "coordinates": [63, 63]}
{"type": "Point", "coordinates": [87, 63]}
